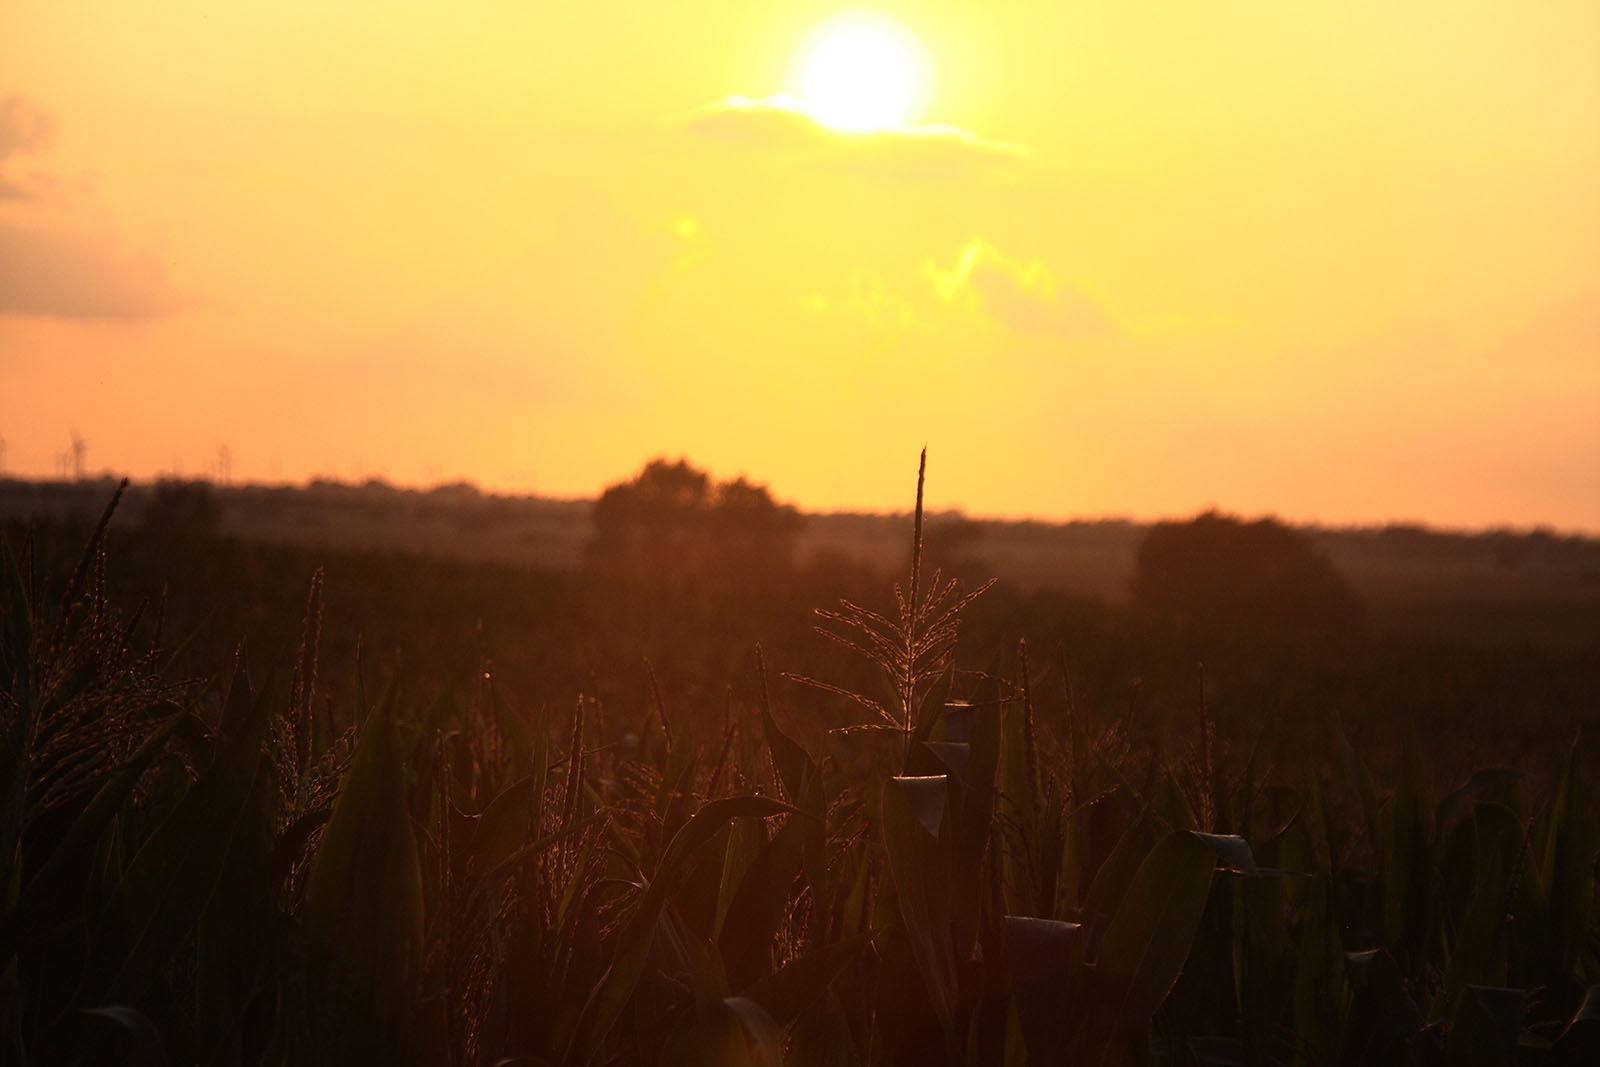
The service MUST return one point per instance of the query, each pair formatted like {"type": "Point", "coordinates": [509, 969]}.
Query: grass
{"type": "Point", "coordinates": [333, 865]}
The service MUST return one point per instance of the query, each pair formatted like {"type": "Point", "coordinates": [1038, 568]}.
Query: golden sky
{"type": "Point", "coordinates": [1336, 261]}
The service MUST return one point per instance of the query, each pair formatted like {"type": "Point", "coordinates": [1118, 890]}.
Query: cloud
{"type": "Point", "coordinates": [982, 288]}
{"type": "Point", "coordinates": [55, 268]}
{"type": "Point", "coordinates": [867, 298]}
{"type": "Point", "coordinates": [78, 275]}
{"type": "Point", "coordinates": [25, 128]}
{"type": "Point", "coordinates": [779, 126]}
{"type": "Point", "coordinates": [1021, 295]}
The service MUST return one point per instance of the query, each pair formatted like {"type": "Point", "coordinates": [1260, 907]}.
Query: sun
{"type": "Point", "coordinates": [860, 71]}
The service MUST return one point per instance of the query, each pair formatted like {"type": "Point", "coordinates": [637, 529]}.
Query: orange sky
{"type": "Point", "coordinates": [1339, 262]}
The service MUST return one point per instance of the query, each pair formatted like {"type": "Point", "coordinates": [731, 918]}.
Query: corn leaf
{"type": "Point", "coordinates": [1151, 930]}
{"type": "Point", "coordinates": [607, 999]}
{"type": "Point", "coordinates": [918, 863]}
{"type": "Point", "coordinates": [362, 918]}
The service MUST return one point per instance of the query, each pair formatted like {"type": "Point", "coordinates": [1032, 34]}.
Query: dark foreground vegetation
{"type": "Point", "coordinates": [264, 806]}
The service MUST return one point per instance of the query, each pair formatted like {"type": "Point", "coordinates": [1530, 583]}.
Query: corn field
{"type": "Point", "coordinates": [257, 868]}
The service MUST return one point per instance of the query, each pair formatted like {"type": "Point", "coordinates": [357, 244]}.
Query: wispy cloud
{"type": "Point", "coordinates": [79, 275]}
{"type": "Point", "coordinates": [779, 125]}
{"type": "Point", "coordinates": [25, 128]}
{"type": "Point", "coordinates": [981, 287]}
{"type": "Point", "coordinates": [1022, 294]}
{"type": "Point", "coordinates": [867, 297]}
{"type": "Point", "coordinates": [64, 269]}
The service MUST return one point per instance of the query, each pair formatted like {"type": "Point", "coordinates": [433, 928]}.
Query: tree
{"type": "Point", "coordinates": [672, 520]}
{"type": "Point", "coordinates": [1219, 568]}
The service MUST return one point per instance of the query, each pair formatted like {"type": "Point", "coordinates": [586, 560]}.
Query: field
{"type": "Point", "coordinates": [353, 774]}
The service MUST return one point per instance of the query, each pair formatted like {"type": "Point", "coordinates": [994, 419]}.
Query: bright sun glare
{"type": "Point", "coordinates": [860, 70]}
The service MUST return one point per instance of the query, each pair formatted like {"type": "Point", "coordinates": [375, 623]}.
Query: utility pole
{"type": "Point", "coordinates": [80, 448]}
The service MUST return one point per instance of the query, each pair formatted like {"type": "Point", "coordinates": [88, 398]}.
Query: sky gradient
{"type": "Point", "coordinates": [1336, 262]}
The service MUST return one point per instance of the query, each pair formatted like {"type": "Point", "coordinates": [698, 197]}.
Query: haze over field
{"type": "Point", "coordinates": [1339, 263]}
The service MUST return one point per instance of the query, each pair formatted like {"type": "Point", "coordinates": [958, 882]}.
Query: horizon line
{"type": "Point", "coordinates": [379, 483]}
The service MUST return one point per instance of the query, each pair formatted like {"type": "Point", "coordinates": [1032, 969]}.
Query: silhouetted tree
{"type": "Point", "coordinates": [1219, 568]}
{"type": "Point", "coordinates": [672, 520]}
